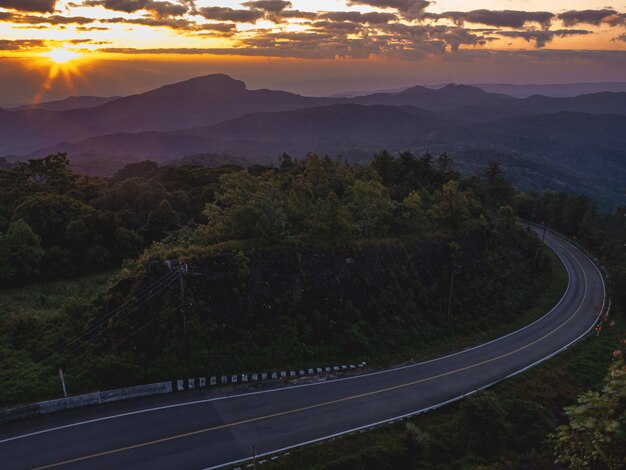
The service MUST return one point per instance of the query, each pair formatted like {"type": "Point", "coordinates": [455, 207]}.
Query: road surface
{"type": "Point", "coordinates": [189, 430]}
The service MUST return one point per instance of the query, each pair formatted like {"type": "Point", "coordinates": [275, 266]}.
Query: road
{"type": "Point", "coordinates": [192, 431]}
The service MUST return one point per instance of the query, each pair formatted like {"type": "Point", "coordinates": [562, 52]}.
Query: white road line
{"type": "Point", "coordinates": [283, 389]}
{"type": "Point", "coordinates": [433, 407]}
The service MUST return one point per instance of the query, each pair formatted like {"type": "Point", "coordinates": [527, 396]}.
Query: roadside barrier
{"type": "Point", "coordinates": [109, 396]}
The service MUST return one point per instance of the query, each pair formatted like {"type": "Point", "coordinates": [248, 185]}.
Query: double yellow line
{"type": "Point", "coordinates": [328, 403]}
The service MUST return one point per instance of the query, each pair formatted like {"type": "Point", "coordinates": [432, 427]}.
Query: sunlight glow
{"type": "Point", "coordinates": [61, 56]}
{"type": "Point", "coordinates": [61, 68]}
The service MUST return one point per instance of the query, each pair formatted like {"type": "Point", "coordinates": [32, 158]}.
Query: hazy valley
{"type": "Point", "coordinates": [568, 144]}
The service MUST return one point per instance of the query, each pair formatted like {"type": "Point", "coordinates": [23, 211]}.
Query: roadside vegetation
{"type": "Point", "coordinates": [568, 411]}
{"type": "Point", "coordinates": [410, 221]}
{"type": "Point", "coordinates": [516, 424]}
{"type": "Point", "coordinates": [85, 287]}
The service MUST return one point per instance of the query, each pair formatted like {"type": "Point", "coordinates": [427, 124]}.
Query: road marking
{"type": "Point", "coordinates": [557, 242]}
{"type": "Point", "coordinates": [328, 403]}
{"type": "Point", "coordinates": [420, 411]}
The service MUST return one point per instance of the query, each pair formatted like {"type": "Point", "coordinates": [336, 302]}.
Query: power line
{"type": "Point", "coordinates": [122, 341]}
{"type": "Point", "coordinates": [160, 284]}
{"type": "Point", "coordinates": [131, 306]}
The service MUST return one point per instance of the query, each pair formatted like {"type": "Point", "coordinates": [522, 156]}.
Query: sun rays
{"type": "Point", "coordinates": [60, 64]}
{"type": "Point", "coordinates": [61, 55]}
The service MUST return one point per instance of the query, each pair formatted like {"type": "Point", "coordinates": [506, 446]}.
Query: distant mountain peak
{"type": "Point", "coordinates": [213, 84]}
{"type": "Point", "coordinates": [459, 87]}
{"type": "Point", "coordinates": [417, 89]}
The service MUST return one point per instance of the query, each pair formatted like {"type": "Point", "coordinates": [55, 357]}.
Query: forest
{"type": "Point", "coordinates": [412, 217]}
{"type": "Point", "coordinates": [61, 224]}
{"type": "Point", "coordinates": [260, 245]}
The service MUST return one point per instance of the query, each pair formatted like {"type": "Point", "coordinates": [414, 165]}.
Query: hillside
{"type": "Point", "coordinates": [349, 261]}
{"type": "Point", "coordinates": [566, 143]}
{"type": "Point", "coordinates": [211, 99]}
{"type": "Point", "coordinates": [72, 102]}
{"type": "Point", "coordinates": [196, 102]}
{"type": "Point", "coordinates": [562, 151]}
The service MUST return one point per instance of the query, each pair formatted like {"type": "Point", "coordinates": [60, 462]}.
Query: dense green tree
{"type": "Point", "coordinates": [144, 170]}
{"type": "Point", "coordinates": [20, 253]}
{"type": "Point", "coordinates": [595, 436]}
{"type": "Point", "coordinates": [411, 217]}
{"type": "Point", "coordinates": [386, 166]}
{"type": "Point", "coordinates": [270, 219]}
{"type": "Point", "coordinates": [50, 214]}
{"type": "Point", "coordinates": [162, 221]}
{"type": "Point", "coordinates": [371, 208]}
{"type": "Point", "coordinates": [496, 190]}
{"type": "Point", "coordinates": [330, 224]}
{"type": "Point", "coordinates": [49, 174]}
{"type": "Point", "coordinates": [452, 209]}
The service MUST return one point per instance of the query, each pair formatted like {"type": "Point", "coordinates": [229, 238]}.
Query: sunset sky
{"type": "Point", "coordinates": [50, 49]}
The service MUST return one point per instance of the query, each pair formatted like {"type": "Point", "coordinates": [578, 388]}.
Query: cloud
{"type": "Point", "coordinates": [457, 37]}
{"type": "Point", "coordinates": [337, 27]}
{"type": "Point", "coordinates": [21, 44]}
{"type": "Point", "coordinates": [438, 35]}
{"type": "Point", "coordinates": [409, 9]}
{"type": "Point", "coordinates": [331, 40]}
{"type": "Point", "coordinates": [621, 37]}
{"type": "Point", "coordinates": [87, 29]}
{"type": "Point", "coordinates": [616, 19]}
{"type": "Point", "coordinates": [127, 6]}
{"type": "Point", "coordinates": [229, 14]}
{"type": "Point", "coordinates": [226, 28]}
{"type": "Point", "coordinates": [273, 6]}
{"type": "Point", "coordinates": [274, 51]}
{"type": "Point", "coordinates": [543, 37]}
{"type": "Point", "coordinates": [41, 6]}
{"type": "Point", "coordinates": [157, 8]}
{"type": "Point", "coordinates": [358, 17]}
{"type": "Point", "coordinates": [504, 18]}
{"type": "Point", "coordinates": [272, 9]}
{"type": "Point", "coordinates": [602, 62]}
{"type": "Point", "coordinates": [595, 17]}
{"type": "Point", "coordinates": [306, 15]}
{"type": "Point", "coordinates": [36, 20]}
{"type": "Point", "coordinates": [180, 24]}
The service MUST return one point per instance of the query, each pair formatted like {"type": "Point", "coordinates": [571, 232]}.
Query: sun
{"type": "Point", "coordinates": [61, 56]}
{"type": "Point", "coordinates": [60, 64]}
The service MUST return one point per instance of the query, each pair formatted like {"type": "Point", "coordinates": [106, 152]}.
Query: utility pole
{"type": "Point", "coordinates": [454, 268]}
{"type": "Point", "coordinates": [183, 309]}
{"type": "Point", "coordinates": [253, 456]}
{"type": "Point", "coordinates": [63, 382]}
{"type": "Point", "coordinates": [543, 222]}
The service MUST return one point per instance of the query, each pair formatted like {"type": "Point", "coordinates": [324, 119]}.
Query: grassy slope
{"type": "Point", "coordinates": [45, 299]}
{"type": "Point", "coordinates": [34, 319]}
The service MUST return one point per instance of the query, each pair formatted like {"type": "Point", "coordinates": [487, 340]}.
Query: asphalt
{"type": "Point", "coordinates": [197, 430]}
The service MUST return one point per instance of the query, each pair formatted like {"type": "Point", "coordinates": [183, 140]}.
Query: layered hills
{"type": "Point", "coordinates": [570, 143]}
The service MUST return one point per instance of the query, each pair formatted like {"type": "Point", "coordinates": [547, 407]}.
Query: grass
{"type": "Point", "coordinates": [33, 321]}
{"type": "Point", "coordinates": [44, 299]}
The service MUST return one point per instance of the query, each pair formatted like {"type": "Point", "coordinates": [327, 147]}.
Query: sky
{"type": "Point", "coordinates": [51, 49]}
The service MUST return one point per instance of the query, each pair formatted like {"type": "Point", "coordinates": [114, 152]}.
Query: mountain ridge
{"type": "Point", "coordinates": [216, 114]}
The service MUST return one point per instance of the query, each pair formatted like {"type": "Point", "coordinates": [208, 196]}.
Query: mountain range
{"type": "Point", "coordinates": [567, 143]}
{"type": "Point", "coordinates": [72, 102]}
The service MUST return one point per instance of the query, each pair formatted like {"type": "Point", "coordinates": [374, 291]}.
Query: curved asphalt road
{"type": "Point", "coordinates": [166, 432]}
